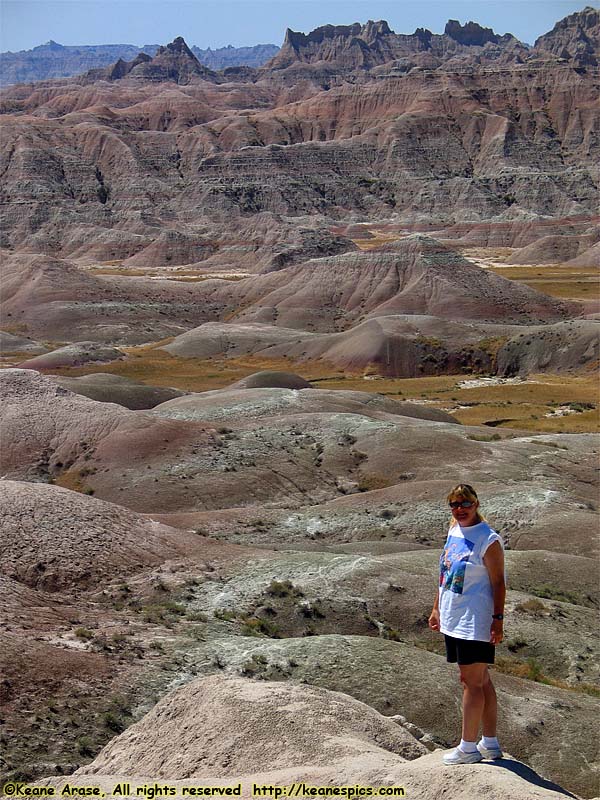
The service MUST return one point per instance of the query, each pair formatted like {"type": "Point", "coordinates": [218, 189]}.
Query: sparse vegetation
{"type": "Point", "coordinates": [85, 747]}
{"type": "Point", "coordinates": [532, 670]}
{"type": "Point", "coordinates": [225, 615]}
{"type": "Point", "coordinates": [516, 643]}
{"type": "Point", "coordinates": [196, 616]}
{"type": "Point", "coordinates": [256, 626]}
{"type": "Point", "coordinates": [84, 633]}
{"type": "Point", "coordinates": [113, 723]}
{"type": "Point", "coordinates": [553, 593]}
{"type": "Point", "coordinates": [531, 606]}
{"type": "Point", "coordinates": [164, 612]}
{"type": "Point", "coordinates": [283, 588]}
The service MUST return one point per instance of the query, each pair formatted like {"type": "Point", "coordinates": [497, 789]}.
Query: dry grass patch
{"type": "Point", "coordinates": [74, 480]}
{"type": "Point", "coordinates": [522, 405]}
{"type": "Point", "coordinates": [155, 367]}
{"type": "Point", "coordinates": [378, 240]}
{"type": "Point", "coordinates": [532, 670]}
{"type": "Point", "coordinates": [566, 283]}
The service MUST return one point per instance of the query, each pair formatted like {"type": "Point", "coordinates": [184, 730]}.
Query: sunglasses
{"type": "Point", "coordinates": [461, 504]}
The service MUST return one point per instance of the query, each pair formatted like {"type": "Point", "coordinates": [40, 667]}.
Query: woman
{"type": "Point", "coordinates": [469, 611]}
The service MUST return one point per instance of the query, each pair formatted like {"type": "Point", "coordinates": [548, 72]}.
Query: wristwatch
{"type": "Point", "coordinates": [497, 616]}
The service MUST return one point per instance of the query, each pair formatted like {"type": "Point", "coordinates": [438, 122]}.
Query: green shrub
{"type": "Point", "coordinates": [255, 626]}
{"type": "Point", "coordinates": [84, 633]}
{"type": "Point", "coordinates": [552, 593]}
{"type": "Point", "coordinates": [85, 747]}
{"type": "Point", "coordinates": [516, 643]}
{"type": "Point", "coordinates": [284, 589]}
{"type": "Point", "coordinates": [531, 606]}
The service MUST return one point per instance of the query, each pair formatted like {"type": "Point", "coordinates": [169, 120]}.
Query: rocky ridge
{"type": "Point", "coordinates": [514, 142]}
{"type": "Point", "coordinates": [575, 37]}
{"type": "Point", "coordinates": [53, 60]}
{"type": "Point", "coordinates": [374, 43]}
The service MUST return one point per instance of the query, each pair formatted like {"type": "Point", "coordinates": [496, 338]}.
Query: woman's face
{"type": "Point", "coordinates": [465, 516]}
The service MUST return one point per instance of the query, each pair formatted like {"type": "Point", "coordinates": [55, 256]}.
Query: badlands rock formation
{"type": "Point", "coordinates": [54, 60]}
{"type": "Point", "coordinates": [346, 207]}
{"type": "Point", "coordinates": [58, 302]}
{"type": "Point", "coordinates": [56, 555]}
{"type": "Point", "coordinates": [329, 739]}
{"type": "Point", "coordinates": [115, 389]}
{"type": "Point", "coordinates": [12, 343]}
{"type": "Point", "coordinates": [158, 603]}
{"type": "Point", "coordinates": [555, 348]}
{"type": "Point", "coordinates": [445, 141]}
{"type": "Point", "coordinates": [416, 275]}
{"type": "Point", "coordinates": [576, 37]}
{"type": "Point", "coordinates": [74, 355]}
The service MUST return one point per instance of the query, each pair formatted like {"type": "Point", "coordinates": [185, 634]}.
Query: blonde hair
{"type": "Point", "coordinates": [466, 492]}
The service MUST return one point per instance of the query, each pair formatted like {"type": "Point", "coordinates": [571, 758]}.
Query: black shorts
{"type": "Point", "coordinates": [468, 651]}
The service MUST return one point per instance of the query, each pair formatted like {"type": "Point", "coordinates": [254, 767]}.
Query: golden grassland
{"type": "Point", "coordinates": [377, 240]}
{"type": "Point", "coordinates": [543, 403]}
{"type": "Point", "coordinates": [566, 283]}
{"type": "Point", "coordinates": [524, 405]}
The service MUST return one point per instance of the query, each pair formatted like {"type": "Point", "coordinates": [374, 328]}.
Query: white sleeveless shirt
{"type": "Point", "coordinates": [465, 593]}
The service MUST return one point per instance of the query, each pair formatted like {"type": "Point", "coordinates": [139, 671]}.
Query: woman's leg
{"type": "Point", "coordinates": [489, 718]}
{"type": "Point", "coordinates": [473, 678]}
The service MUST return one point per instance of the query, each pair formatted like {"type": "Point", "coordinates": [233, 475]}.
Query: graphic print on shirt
{"type": "Point", "coordinates": [453, 563]}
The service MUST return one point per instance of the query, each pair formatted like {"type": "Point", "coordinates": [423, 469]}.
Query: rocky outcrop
{"type": "Point", "coordinates": [335, 726]}
{"type": "Point", "coordinates": [172, 248]}
{"type": "Point", "coordinates": [13, 343]}
{"type": "Point", "coordinates": [272, 379]}
{"type": "Point", "coordinates": [349, 46]}
{"type": "Point", "coordinates": [172, 62]}
{"type": "Point", "coordinates": [358, 46]}
{"type": "Point", "coordinates": [589, 258]}
{"type": "Point", "coordinates": [308, 243]}
{"type": "Point", "coordinates": [122, 68]}
{"type": "Point", "coordinates": [575, 37]}
{"type": "Point", "coordinates": [44, 546]}
{"type": "Point", "coordinates": [446, 143]}
{"type": "Point", "coordinates": [470, 34]}
{"type": "Point", "coordinates": [53, 60]}
{"type": "Point", "coordinates": [74, 355]}
{"type": "Point", "coordinates": [416, 275]}
{"type": "Point", "coordinates": [555, 249]}
{"type": "Point", "coordinates": [245, 400]}
{"type": "Point", "coordinates": [225, 730]}
{"type": "Point", "coordinates": [56, 301]}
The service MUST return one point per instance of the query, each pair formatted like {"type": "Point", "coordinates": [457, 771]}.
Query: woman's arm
{"type": "Point", "coordinates": [434, 617]}
{"type": "Point", "coordinates": [494, 563]}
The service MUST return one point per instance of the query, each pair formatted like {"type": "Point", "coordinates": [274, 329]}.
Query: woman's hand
{"type": "Point", "coordinates": [434, 620]}
{"type": "Point", "coordinates": [496, 631]}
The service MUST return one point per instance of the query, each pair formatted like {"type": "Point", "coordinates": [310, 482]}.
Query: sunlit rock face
{"type": "Point", "coordinates": [466, 126]}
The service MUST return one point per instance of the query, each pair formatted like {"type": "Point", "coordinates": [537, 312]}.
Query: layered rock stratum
{"type": "Point", "coordinates": [475, 132]}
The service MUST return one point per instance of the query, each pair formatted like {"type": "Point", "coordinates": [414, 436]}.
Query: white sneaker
{"type": "Point", "coordinates": [458, 756]}
{"type": "Point", "coordinates": [490, 752]}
